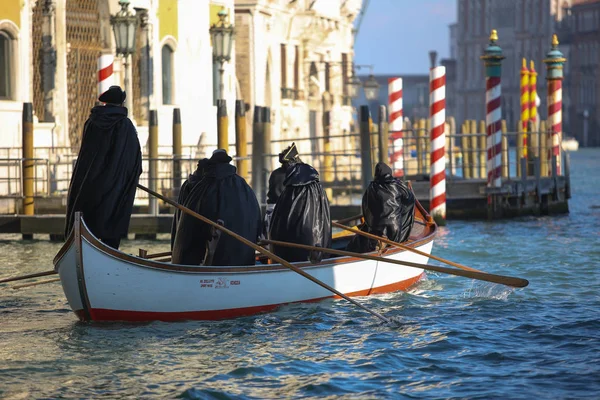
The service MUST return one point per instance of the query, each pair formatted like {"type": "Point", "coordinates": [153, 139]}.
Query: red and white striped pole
{"type": "Point", "coordinates": [105, 73]}
{"type": "Point", "coordinates": [396, 125]}
{"type": "Point", "coordinates": [554, 62]}
{"type": "Point", "coordinates": [492, 58]}
{"type": "Point", "coordinates": [437, 113]}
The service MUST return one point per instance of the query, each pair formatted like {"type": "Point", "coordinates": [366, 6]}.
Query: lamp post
{"type": "Point", "coordinates": [353, 86]}
{"type": "Point", "coordinates": [371, 88]}
{"type": "Point", "coordinates": [124, 25]}
{"type": "Point", "coordinates": [222, 39]}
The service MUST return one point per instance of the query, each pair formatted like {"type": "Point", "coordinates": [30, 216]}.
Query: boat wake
{"type": "Point", "coordinates": [486, 290]}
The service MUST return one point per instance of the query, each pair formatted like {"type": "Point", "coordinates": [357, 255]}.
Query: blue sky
{"type": "Point", "coordinates": [397, 35]}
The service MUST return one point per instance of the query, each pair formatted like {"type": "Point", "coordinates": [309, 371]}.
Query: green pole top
{"type": "Point", "coordinates": [492, 57]}
{"type": "Point", "coordinates": [555, 60]}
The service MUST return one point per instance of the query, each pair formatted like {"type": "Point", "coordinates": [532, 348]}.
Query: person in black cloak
{"type": "Point", "coordinates": [288, 158]}
{"type": "Point", "coordinates": [301, 214]}
{"type": "Point", "coordinates": [220, 195]}
{"type": "Point", "coordinates": [388, 208]}
{"type": "Point", "coordinates": [184, 192]}
{"type": "Point", "coordinates": [107, 171]}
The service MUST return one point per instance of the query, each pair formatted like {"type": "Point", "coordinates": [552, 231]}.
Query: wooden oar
{"type": "Point", "coordinates": [35, 283]}
{"type": "Point", "coordinates": [262, 250]}
{"type": "Point", "coordinates": [402, 246]}
{"type": "Point", "coordinates": [345, 220]}
{"type": "Point", "coordinates": [19, 278]}
{"type": "Point", "coordinates": [482, 276]}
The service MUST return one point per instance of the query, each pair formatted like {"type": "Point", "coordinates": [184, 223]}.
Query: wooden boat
{"type": "Point", "coordinates": [104, 284]}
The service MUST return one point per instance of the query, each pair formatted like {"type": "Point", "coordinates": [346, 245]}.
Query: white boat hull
{"type": "Point", "coordinates": [103, 284]}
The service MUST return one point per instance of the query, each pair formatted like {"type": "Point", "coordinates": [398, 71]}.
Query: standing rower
{"type": "Point", "coordinates": [107, 171]}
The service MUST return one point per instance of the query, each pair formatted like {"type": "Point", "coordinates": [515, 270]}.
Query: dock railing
{"type": "Point", "coordinates": [336, 157]}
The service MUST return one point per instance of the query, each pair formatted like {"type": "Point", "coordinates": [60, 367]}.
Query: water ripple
{"type": "Point", "coordinates": [452, 338]}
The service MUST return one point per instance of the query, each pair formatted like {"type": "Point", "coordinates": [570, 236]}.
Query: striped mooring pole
{"type": "Point", "coordinates": [524, 105]}
{"type": "Point", "coordinates": [437, 113]}
{"type": "Point", "coordinates": [396, 125]}
{"type": "Point", "coordinates": [533, 95]}
{"type": "Point", "coordinates": [105, 72]}
{"type": "Point", "coordinates": [554, 63]}
{"type": "Point", "coordinates": [492, 58]}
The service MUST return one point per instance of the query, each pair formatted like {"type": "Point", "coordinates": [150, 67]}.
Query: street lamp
{"type": "Point", "coordinates": [371, 88]}
{"type": "Point", "coordinates": [124, 25]}
{"type": "Point", "coordinates": [353, 86]}
{"type": "Point", "coordinates": [222, 40]}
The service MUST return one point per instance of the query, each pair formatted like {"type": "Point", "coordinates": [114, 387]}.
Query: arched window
{"type": "Point", "coordinates": [167, 74]}
{"type": "Point", "coordinates": [6, 65]}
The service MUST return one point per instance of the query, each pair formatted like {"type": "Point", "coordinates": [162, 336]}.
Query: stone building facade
{"type": "Point", "coordinates": [295, 58]}
{"type": "Point", "coordinates": [525, 28]}
{"type": "Point", "coordinates": [582, 28]}
{"type": "Point", "coordinates": [49, 55]}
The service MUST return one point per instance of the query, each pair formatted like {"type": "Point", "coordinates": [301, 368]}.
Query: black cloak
{"type": "Point", "coordinates": [221, 194]}
{"type": "Point", "coordinates": [106, 174]}
{"type": "Point", "coordinates": [301, 214]}
{"type": "Point", "coordinates": [184, 192]}
{"type": "Point", "coordinates": [276, 180]}
{"type": "Point", "coordinates": [388, 208]}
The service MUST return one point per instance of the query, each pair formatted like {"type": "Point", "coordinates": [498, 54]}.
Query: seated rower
{"type": "Point", "coordinates": [225, 197]}
{"type": "Point", "coordinates": [288, 158]}
{"type": "Point", "coordinates": [388, 208]}
{"type": "Point", "coordinates": [301, 214]}
{"type": "Point", "coordinates": [184, 192]}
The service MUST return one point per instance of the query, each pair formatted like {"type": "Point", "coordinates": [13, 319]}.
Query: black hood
{"type": "Point", "coordinates": [105, 117]}
{"type": "Point", "coordinates": [219, 171]}
{"type": "Point", "coordinates": [383, 173]}
{"type": "Point", "coordinates": [300, 174]}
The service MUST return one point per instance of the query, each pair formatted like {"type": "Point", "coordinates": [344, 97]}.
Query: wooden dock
{"type": "Point", "coordinates": [466, 200]}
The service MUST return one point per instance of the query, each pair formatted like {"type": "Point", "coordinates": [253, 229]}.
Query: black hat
{"type": "Point", "coordinates": [220, 156]}
{"type": "Point", "coordinates": [288, 154]}
{"type": "Point", "coordinates": [114, 95]}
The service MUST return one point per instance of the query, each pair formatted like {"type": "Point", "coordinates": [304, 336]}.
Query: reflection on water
{"type": "Point", "coordinates": [453, 337]}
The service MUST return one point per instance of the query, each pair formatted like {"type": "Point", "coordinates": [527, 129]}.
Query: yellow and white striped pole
{"type": "Point", "coordinates": [524, 104]}
{"type": "Point", "coordinates": [533, 95]}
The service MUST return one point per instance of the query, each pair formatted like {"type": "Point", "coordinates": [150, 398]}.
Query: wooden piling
{"type": "Point", "coordinates": [465, 145]}
{"type": "Point", "coordinates": [258, 155]}
{"type": "Point", "coordinates": [421, 138]}
{"type": "Point", "coordinates": [153, 162]}
{"type": "Point", "coordinates": [474, 148]}
{"type": "Point", "coordinates": [482, 139]}
{"type": "Point", "coordinates": [543, 149]}
{"type": "Point", "coordinates": [365, 146]}
{"type": "Point", "coordinates": [383, 135]}
{"type": "Point", "coordinates": [328, 157]}
{"type": "Point", "coordinates": [520, 153]}
{"type": "Point", "coordinates": [532, 147]}
{"type": "Point", "coordinates": [28, 165]}
{"type": "Point", "coordinates": [177, 151]}
{"type": "Point", "coordinates": [241, 140]}
{"type": "Point", "coordinates": [266, 118]}
{"type": "Point", "coordinates": [505, 170]}
{"type": "Point", "coordinates": [222, 126]}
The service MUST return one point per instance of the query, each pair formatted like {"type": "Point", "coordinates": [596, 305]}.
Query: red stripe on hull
{"type": "Point", "coordinates": [101, 314]}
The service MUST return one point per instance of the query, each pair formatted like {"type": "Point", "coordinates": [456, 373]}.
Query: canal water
{"type": "Point", "coordinates": [455, 338]}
